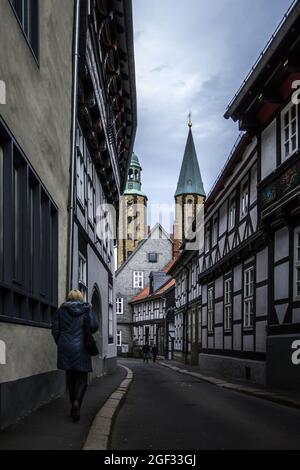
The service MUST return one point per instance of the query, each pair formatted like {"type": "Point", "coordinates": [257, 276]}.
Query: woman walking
{"type": "Point", "coordinates": [69, 325]}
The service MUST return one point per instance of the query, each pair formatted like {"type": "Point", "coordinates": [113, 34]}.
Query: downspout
{"type": "Point", "coordinates": [73, 143]}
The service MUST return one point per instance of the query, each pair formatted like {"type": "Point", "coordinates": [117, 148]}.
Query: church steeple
{"type": "Point", "coordinates": [133, 213]}
{"type": "Point", "coordinates": [190, 192]}
{"type": "Point", "coordinates": [134, 181]}
{"type": "Point", "coordinates": [190, 180]}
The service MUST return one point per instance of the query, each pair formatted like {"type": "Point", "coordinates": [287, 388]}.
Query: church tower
{"type": "Point", "coordinates": [190, 192]}
{"type": "Point", "coordinates": [133, 226]}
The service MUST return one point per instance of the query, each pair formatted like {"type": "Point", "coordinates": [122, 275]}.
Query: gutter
{"type": "Point", "coordinates": [73, 143]}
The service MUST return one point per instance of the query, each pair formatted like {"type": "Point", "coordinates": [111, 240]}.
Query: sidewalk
{"type": "Point", "coordinates": [50, 427]}
{"type": "Point", "coordinates": [281, 397]}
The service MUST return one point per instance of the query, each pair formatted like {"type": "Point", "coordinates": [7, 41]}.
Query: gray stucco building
{"type": "Point", "coordinates": [67, 127]}
{"type": "Point", "coordinates": [153, 254]}
{"type": "Point", "coordinates": [35, 142]}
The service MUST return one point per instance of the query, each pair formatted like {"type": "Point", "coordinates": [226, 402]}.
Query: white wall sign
{"type": "Point", "coordinates": [2, 353]}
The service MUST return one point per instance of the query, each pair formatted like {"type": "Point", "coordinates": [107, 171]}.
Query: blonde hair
{"type": "Point", "coordinates": [75, 296]}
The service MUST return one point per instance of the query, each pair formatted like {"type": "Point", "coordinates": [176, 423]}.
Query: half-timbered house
{"type": "Point", "coordinates": [221, 314]}
{"type": "Point", "coordinates": [150, 309]}
{"type": "Point", "coordinates": [267, 106]}
{"type": "Point", "coordinates": [233, 272]}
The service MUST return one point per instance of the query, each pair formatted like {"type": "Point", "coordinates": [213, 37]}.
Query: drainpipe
{"type": "Point", "coordinates": [73, 142]}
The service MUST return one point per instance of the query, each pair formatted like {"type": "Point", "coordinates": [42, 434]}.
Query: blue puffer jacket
{"type": "Point", "coordinates": [67, 331]}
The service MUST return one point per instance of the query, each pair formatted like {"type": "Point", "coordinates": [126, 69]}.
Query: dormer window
{"type": "Point", "coordinates": [289, 130]}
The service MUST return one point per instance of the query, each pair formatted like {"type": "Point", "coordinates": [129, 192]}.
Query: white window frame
{"type": "Point", "coordinates": [228, 304]}
{"type": "Point", "coordinates": [210, 309]}
{"type": "Point", "coordinates": [287, 134]}
{"type": "Point", "coordinates": [215, 229]}
{"type": "Point", "coordinates": [244, 198]}
{"type": "Point", "coordinates": [249, 298]}
{"type": "Point", "coordinates": [119, 338]}
{"type": "Point", "coordinates": [232, 213]}
{"type": "Point", "coordinates": [138, 280]}
{"type": "Point", "coordinates": [119, 306]}
{"type": "Point", "coordinates": [297, 264]}
{"type": "Point", "coordinates": [82, 275]}
{"type": "Point", "coordinates": [91, 200]}
{"type": "Point", "coordinates": [207, 239]}
{"type": "Point", "coordinates": [80, 177]}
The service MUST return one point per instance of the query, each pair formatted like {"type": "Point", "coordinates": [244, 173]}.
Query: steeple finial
{"type": "Point", "coordinates": [190, 120]}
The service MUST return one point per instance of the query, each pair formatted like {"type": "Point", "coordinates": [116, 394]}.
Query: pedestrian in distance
{"type": "Point", "coordinates": [154, 352]}
{"type": "Point", "coordinates": [73, 325]}
{"type": "Point", "coordinates": [146, 352]}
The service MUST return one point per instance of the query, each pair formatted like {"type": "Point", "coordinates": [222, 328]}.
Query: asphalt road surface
{"type": "Point", "coordinates": [165, 410]}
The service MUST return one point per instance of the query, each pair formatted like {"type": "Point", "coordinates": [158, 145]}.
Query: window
{"type": "Point", "coordinates": [90, 200]}
{"type": "Point", "coordinates": [207, 239]}
{"type": "Point", "coordinates": [17, 217]}
{"type": "Point", "coordinates": [289, 130]}
{"type": "Point", "coordinates": [82, 275]}
{"type": "Point", "coordinates": [1, 211]}
{"type": "Point", "coordinates": [244, 198]}
{"type": "Point", "coordinates": [138, 280]}
{"type": "Point", "coordinates": [119, 338]}
{"type": "Point", "coordinates": [228, 305]}
{"type": "Point", "coordinates": [27, 14]}
{"type": "Point", "coordinates": [210, 310]}
{"type": "Point", "coordinates": [110, 316]}
{"type": "Point", "coordinates": [215, 231]}
{"type": "Point", "coordinates": [90, 188]}
{"type": "Point", "coordinates": [297, 264]}
{"type": "Point", "coordinates": [152, 257]}
{"type": "Point", "coordinates": [232, 212]}
{"type": "Point", "coordinates": [80, 177]}
{"type": "Point", "coordinates": [248, 297]}
{"type": "Point", "coordinates": [28, 240]}
{"type": "Point", "coordinates": [119, 306]}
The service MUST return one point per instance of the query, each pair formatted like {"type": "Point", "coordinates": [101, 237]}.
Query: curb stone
{"type": "Point", "coordinates": [258, 393]}
{"type": "Point", "coordinates": [99, 434]}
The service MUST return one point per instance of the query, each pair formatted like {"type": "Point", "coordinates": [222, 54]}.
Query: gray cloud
{"type": "Point", "coordinates": [193, 57]}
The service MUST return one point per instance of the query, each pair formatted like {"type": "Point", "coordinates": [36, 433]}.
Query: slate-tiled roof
{"type": "Point", "coordinates": [190, 180]}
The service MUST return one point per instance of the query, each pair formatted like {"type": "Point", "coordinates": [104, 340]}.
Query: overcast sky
{"type": "Point", "coordinates": [192, 55]}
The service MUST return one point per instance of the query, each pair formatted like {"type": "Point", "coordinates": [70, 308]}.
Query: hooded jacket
{"type": "Point", "coordinates": [67, 331]}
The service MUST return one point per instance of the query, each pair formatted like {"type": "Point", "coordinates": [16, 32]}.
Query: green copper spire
{"type": "Point", "coordinates": [190, 180]}
{"type": "Point", "coordinates": [134, 182]}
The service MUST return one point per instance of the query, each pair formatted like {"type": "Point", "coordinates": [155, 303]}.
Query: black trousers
{"type": "Point", "coordinates": [77, 384]}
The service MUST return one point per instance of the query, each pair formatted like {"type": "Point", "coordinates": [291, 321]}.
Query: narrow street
{"type": "Point", "coordinates": [165, 410]}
